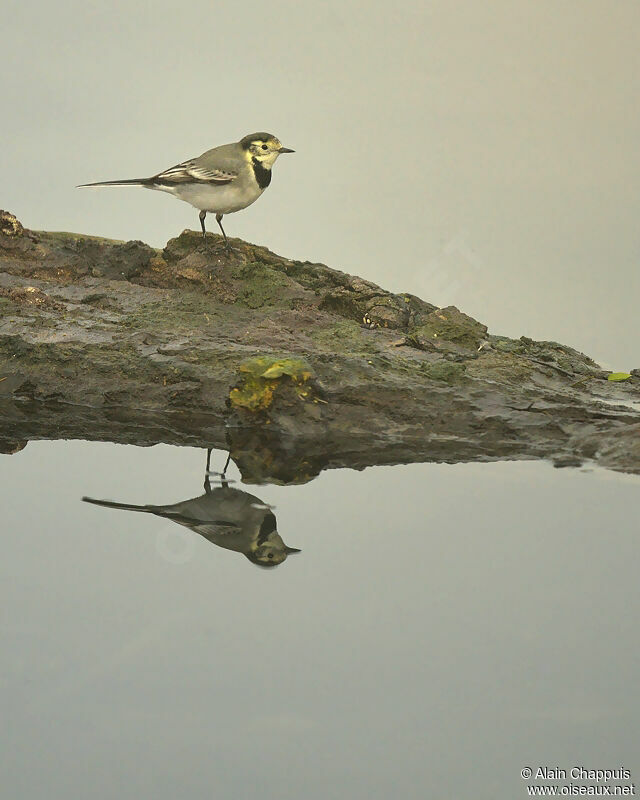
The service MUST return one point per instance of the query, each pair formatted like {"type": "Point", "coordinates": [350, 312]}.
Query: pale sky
{"type": "Point", "coordinates": [478, 154]}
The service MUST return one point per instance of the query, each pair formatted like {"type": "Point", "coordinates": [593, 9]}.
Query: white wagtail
{"type": "Point", "coordinates": [230, 518]}
{"type": "Point", "coordinates": [223, 180]}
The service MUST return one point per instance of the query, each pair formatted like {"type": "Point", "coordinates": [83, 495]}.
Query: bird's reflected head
{"type": "Point", "coordinates": [269, 550]}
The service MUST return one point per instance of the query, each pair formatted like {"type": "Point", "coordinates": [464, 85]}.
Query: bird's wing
{"type": "Point", "coordinates": [215, 530]}
{"type": "Point", "coordinates": [193, 172]}
{"type": "Point", "coordinates": [192, 520]}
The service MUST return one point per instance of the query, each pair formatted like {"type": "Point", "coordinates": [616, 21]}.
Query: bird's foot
{"type": "Point", "coordinates": [229, 249]}
{"type": "Point", "coordinates": [214, 244]}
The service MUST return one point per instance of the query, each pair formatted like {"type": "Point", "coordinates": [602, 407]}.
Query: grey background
{"type": "Point", "coordinates": [480, 154]}
{"type": "Point", "coordinates": [443, 627]}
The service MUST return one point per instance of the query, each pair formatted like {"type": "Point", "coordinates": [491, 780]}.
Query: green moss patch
{"type": "Point", "coordinates": [345, 336]}
{"type": "Point", "coordinates": [447, 371]}
{"type": "Point", "coordinates": [262, 286]}
{"type": "Point", "coordinates": [451, 325]}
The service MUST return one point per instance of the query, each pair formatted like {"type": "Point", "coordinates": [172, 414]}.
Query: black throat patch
{"type": "Point", "coordinates": [263, 176]}
{"type": "Point", "coordinates": [268, 526]}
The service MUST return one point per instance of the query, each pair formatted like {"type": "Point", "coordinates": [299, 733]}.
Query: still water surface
{"type": "Point", "coordinates": [443, 627]}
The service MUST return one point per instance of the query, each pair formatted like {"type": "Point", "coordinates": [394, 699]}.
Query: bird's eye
{"type": "Point", "coordinates": [270, 555]}
{"type": "Point", "coordinates": [265, 147]}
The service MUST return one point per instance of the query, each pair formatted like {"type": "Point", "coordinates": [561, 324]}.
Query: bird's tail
{"type": "Point", "coordinates": [112, 504]}
{"type": "Point", "coordinates": [125, 182]}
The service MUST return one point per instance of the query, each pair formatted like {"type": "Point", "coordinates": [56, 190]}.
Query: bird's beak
{"type": "Point", "coordinates": [289, 550]}
{"type": "Point", "coordinates": [286, 150]}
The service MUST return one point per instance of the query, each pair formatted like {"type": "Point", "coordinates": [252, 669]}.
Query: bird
{"type": "Point", "coordinates": [230, 518]}
{"type": "Point", "coordinates": [221, 181]}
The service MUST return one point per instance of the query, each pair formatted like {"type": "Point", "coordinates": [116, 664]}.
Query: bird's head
{"type": "Point", "coordinates": [271, 554]}
{"type": "Point", "coordinates": [264, 148]}
{"type": "Point", "coordinates": [269, 550]}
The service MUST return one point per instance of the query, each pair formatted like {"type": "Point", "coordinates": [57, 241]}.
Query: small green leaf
{"type": "Point", "coordinates": [618, 376]}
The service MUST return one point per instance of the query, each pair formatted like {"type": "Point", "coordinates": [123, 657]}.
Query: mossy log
{"type": "Point", "coordinates": [293, 366]}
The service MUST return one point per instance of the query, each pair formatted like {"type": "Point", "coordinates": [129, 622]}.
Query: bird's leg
{"type": "Point", "coordinates": [202, 215]}
{"type": "Point", "coordinates": [208, 473]}
{"type": "Point", "coordinates": [224, 471]}
{"type": "Point", "coordinates": [207, 479]}
{"type": "Point", "coordinates": [219, 221]}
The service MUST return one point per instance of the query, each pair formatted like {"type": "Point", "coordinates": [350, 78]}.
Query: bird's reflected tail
{"type": "Point", "coordinates": [113, 504]}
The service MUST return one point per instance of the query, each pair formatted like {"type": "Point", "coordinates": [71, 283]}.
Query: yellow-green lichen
{"type": "Point", "coordinates": [260, 377]}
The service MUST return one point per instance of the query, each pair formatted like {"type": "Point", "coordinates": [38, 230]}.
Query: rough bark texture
{"type": "Point", "coordinates": [293, 366]}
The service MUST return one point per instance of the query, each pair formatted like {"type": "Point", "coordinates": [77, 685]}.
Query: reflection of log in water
{"type": "Point", "coordinates": [230, 518]}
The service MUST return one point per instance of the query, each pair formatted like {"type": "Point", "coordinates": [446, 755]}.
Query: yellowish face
{"type": "Point", "coordinates": [266, 151]}
{"type": "Point", "coordinates": [270, 552]}
{"type": "Point", "coordinates": [270, 555]}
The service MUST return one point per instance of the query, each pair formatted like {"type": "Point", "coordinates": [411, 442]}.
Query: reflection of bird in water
{"type": "Point", "coordinates": [227, 517]}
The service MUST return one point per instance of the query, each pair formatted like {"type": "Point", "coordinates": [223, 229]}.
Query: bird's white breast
{"type": "Point", "coordinates": [218, 199]}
